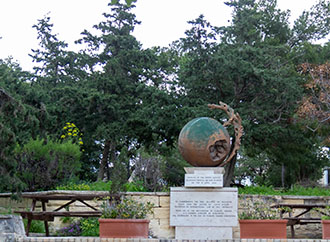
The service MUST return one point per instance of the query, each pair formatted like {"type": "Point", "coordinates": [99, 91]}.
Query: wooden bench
{"type": "Point", "coordinates": [48, 216]}
{"type": "Point", "coordinates": [298, 219]}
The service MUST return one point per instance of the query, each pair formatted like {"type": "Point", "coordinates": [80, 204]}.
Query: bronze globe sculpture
{"type": "Point", "coordinates": [205, 142]}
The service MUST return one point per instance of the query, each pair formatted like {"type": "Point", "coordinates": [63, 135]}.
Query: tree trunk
{"type": "Point", "coordinates": [104, 160]}
{"type": "Point", "coordinates": [229, 172]}
{"type": "Point", "coordinates": [283, 175]}
{"type": "Point", "coordinates": [112, 158]}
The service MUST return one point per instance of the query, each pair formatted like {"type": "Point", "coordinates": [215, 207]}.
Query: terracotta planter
{"type": "Point", "coordinates": [263, 229]}
{"type": "Point", "coordinates": [124, 228]}
{"type": "Point", "coordinates": [325, 229]}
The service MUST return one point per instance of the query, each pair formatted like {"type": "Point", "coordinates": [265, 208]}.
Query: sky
{"type": "Point", "coordinates": [163, 21]}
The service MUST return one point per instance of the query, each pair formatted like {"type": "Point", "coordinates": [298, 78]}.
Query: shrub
{"type": "Point", "coordinates": [36, 226]}
{"type": "Point", "coordinates": [295, 190]}
{"type": "Point", "coordinates": [86, 186]}
{"type": "Point", "coordinates": [70, 230]}
{"type": "Point", "coordinates": [89, 227]}
{"type": "Point", "coordinates": [134, 187]}
{"type": "Point", "coordinates": [43, 163]}
{"type": "Point", "coordinates": [258, 210]}
{"type": "Point", "coordinates": [102, 186]}
{"type": "Point", "coordinates": [126, 209]}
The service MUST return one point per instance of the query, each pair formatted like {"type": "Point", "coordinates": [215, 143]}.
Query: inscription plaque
{"type": "Point", "coordinates": [200, 180]}
{"type": "Point", "coordinates": [203, 207]}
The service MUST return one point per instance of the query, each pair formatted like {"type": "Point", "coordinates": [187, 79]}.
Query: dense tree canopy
{"type": "Point", "coordinates": [130, 103]}
{"type": "Point", "coordinates": [251, 66]}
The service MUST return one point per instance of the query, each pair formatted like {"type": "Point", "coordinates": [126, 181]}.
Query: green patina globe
{"type": "Point", "coordinates": [204, 142]}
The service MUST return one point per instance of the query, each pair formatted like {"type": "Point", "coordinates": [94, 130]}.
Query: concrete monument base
{"type": "Point", "coordinates": [203, 209]}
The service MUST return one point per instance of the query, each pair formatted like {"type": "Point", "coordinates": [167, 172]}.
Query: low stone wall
{"type": "Point", "coordinates": [159, 221]}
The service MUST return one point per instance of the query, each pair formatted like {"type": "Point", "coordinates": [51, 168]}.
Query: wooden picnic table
{"type": "Point", "coordinates": [46, 215]}
{"type": "Point", "coordinates": [291, 209]}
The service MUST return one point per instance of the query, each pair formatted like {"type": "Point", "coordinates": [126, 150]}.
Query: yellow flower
{"type": "Point", "coordinates": [81, 143]}
{"type": "Point", "coordinates": [74, 135]}
{"type": "Point", "coordinates": [69, 134]}
{"type": "Point", "coordinates": [62, 136]}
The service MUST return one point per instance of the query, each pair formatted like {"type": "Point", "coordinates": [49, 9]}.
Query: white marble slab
{"type": "Point", "coordinates": [203, 207]}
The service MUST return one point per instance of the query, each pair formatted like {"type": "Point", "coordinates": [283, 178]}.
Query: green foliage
{"type": "Point", "coordinates": [89, 227]}
{"type": "Point", "coordinates": [250, 65]}
{"type": "Point", "coordinates": [67, 220]}
{"type": "Point", "coordinates": [75, 187]}
{"type": "Point", "coordinates": [260, 190]}
{"type": "Point", "coordinates": [123, 97]}
{"type": "Point", "coordinates": [173, 168]}
{"type": "Point", "coordinates": [18, 122]}
{"type": "Point", "coordinates": [137, 186]}
{"type": "Point", "coordinates": [257, 210]}
{"type": "Point", "coordinates": [285, 162]}
{"type": "Point", "coordinates": [37, 226]}
{"type": "Point", "coordinates": [312, 24]}
{"type": "Point", "coordinates": [253, 168]}
{"type": "Point", "coordinates": [127, 208]}
{"type": "Point", "coordinates": [81, 227]}
{"type": "Point", "coordinates": [6, 210]}
{"type": "Point", "coordinates": [307, 191]}
{"type": "Point", "coordinates": [43, 163]}
{"type": "Point", "coordinates": [70, 230]}
{"type": "Point", "coordinates": [86, 186]}
{"type": "Point", "coordinates": [324, 212]}
{"type": "Point", "coordinates": [128, 2]}
{"type": "Point", "coordinates": [51, 57]}
{"type": "Point", "coordinates": [295, 190]}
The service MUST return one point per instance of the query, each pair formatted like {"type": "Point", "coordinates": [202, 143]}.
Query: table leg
{"type": "Point", "coordinates": [28, 226]}
{"type": "Point", "coordinates": [33, 205]}
{"type": "Point", "coordinates": [45, 222]}
{"type": "Point", "coordinates": [29, 220]}
{"type": "Point", "coordinates": [292, 231]}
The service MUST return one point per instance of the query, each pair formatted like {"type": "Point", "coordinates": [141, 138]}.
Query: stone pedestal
{"type": "Point", "coordinates": [203, 209]}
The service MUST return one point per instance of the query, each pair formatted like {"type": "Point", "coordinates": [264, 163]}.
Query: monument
{"type": "Point", "coordinates": [203, 208]}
